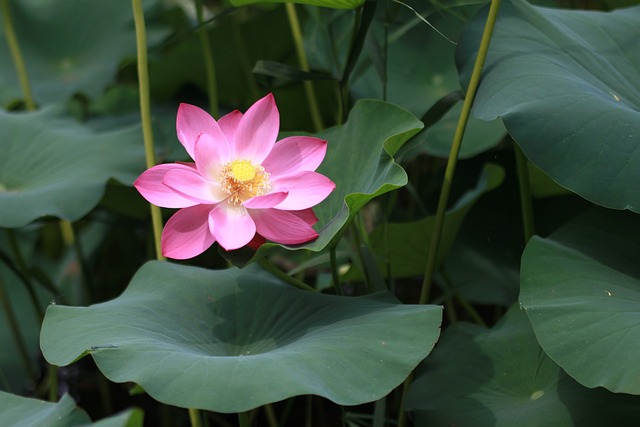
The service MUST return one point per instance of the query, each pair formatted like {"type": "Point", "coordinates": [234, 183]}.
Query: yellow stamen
{"type": "Point", "coordinates": [242, 170]}
{"type": "Point", "coordinates": [242, 180]}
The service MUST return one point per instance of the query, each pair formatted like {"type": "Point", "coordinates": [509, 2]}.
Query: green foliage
{"type": "Point", "coordinates": [566, 85]}
{"type": "Point", "coordinates": [501, 377]}
{"type": "Point", "coordinates": [581, 290]}
{"type": "Point", "coordinates": [233, 340]}
{"type": "Point", "coordinates": [55, 166]}
{"type": "Point", "coordinates": [20, 411]}
{"type": "Point", "coordinates": [562, 82]}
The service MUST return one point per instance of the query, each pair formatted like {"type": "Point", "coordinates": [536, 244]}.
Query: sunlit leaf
{"type": "Point", "coordinates": [69, 46]}
{"type": "Point", "coordinates": [26, 412]}
{"type": "Point", "coordinates": [54, 166]}
{"type": "Point", "coordinates": [565, 83]}
{"type": "Point", "coordinates": [581, 290]}
{"type": "Point", "coordinates": [232, 340]}
{"type": "Point", "coordinates": [501, 377]}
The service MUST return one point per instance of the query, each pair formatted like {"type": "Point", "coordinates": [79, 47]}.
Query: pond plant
{"type": "Point", "coordinates": [320, 213]}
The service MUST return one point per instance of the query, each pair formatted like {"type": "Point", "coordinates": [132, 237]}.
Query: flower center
{"type": "Point", "coordinates": [242, 170]}
{"type": "Point", "coordinates": [242, 180]}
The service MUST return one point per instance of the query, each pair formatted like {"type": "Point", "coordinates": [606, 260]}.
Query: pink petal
{"type": "Point", "coordinates": [150, 186]}
{"type": "Point", "coordinates": [306, 215]}
{"type": "Point", "coordinates": [187, 234]}
{"type": "Point", "coordinates": [191, 123]}
{"type": "Point", "coordinates": [229, 125]}
{"type": "Point", "coordinates": [266, 201]}
{"type": "Point", "coordinates": [306, 189]}
{"type": "Point", "coordinates": [257, 130]}
{"type": "Point", "coordinates": [295, 154]}
{"type": "Point", "coordinates": [193, 186]}
{"type": "Point", "coordinates": [232, 226]}
{"type": "Point", "coordinates": [210, 156]}
{"type": "Point", "coordinates": [282, 226]}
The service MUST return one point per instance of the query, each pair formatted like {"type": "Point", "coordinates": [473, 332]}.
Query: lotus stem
{"type": "Point", "coordinates": [298, 41]}
{"type": "Point", "coordinates": [210, 69]}
{"type": "Point", "coordinates": [271, 268]}
{"type": "Point", "coordinates": [145, 112]}
{"type": "Point", "coordinates": [15, 330]}
{"type": "Point", "coordinates": [16, 54]}
{"type": "Point", "coordinates": [455, 150]}
{"type": "Point", "coordinates": [335, 275]}
{"type": "Point", "coordinates": [525, 193]}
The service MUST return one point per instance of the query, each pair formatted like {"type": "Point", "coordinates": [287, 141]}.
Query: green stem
{"type": "Point", "coordinates": [356, 230]}
{"type": "Point", "coordinates": [24, 273]}
{"type": "Point", "coordinates": [242, 57]}
{"type": "Point", "coordinates": [402, 417]}
{"type": "Point", "coordinates": [455, 149]}
{"type": "Point", "coordinates": [335, 275]}
{"type": "Point", "coordinates": [84, 266]}
{"type": "Point", "coordinates": [244, 420]}
{"type": "Point", "coordinates": [461, 301]}
{"type": "Point", "coordinates": [298, 41]}
{"type": "Point", "coordinates": [525, 193]}
{"type": "Point", "coordinates": [272, 421]}
{"type": "Point", "coordinates": [15, 330]}
{"type": "Point", "coordinates": [271, 268]}
{"type": "Point", "coordinates": [210, 70]}
{"type": "Point", "coordinates": [53, 383]}
{"type": "Point", "coordinates": [194, 417]}
{"type": "Point", "coordinates": [16, 54]}
{"type": "Point", "coordinates": [145, 112]}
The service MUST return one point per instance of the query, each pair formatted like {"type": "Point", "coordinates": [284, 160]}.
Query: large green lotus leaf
{"type": "Point", "coordinates": [566, 85]}
{"type": "Point", "coordinates": [54, 166]}
{"type": "Point", "coordinates": [360, 161]}
{"type": "Point", "coordinates": [500, 377]}
{"type": "Point", "coordinates": [232, 340]}
{"type": "Point", "coordinates": [405, 246]}
{"type": "Point", "coordinates": [581, 290]}
{"type": "Point", "coordinates": [69, 46]}
{"type": "Point", "coordinates": [26, 412]}
{"type": "Point", "coordinates": [335, 4]}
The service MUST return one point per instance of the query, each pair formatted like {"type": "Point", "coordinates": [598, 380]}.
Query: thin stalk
{"type": "Point", "coordinates": [194, 417]}
{"type": "Point", "coordinates": [455, 149]}
{"type": "Point", "coordinates": [145, 112]}
{"type": "Point", "coordinates": [16, 55]}
{"type": "Point", "coordinates": [271, 268]}
{"type": "Point", "coordinates": [272, 421]}
{"type": "Point", "coordinates": [210, 69]}
{"type": "Point", "coordinates": [335, 275]}
{"type": "Point", "coordinates": [386, 51]}
{"type": "Point", "coordinates": [461, 301]}
{"type": "Point", "coordinates": [356, 229]}
{"type": "Point", "coordinates": [15, 330]}
{"type": "Point", "coordinates": [243, 419]}
{"type": "Point", "coordinates": [525, 193]}
{"type": "Point", "coordinates": [298, 41]}
{"type": "Point", "coordinates": [24, 273]}
{"type": "Point", "coordinates": [344, 81]}
{"type": "Point", "coordinates": [402, 417]}
{"type": "Point", "coordinates": [84, 266]}
{"type": "Point", "coordinates": [53, 383]}
{"type": "Point", "coordinates": [242, 57]}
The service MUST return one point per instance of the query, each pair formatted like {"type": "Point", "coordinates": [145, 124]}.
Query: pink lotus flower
{"type": "Point", "coordinates": [243, 185]}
